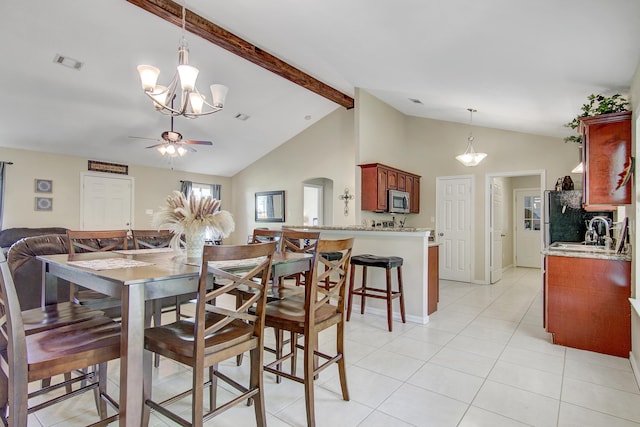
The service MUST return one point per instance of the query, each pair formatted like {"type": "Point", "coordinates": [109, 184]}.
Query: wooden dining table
{"type": "Point", "coordinates": [136, 277]}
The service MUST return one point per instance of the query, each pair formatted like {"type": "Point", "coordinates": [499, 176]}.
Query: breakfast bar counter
{"type": "Point", "coordinates": [420, 268]}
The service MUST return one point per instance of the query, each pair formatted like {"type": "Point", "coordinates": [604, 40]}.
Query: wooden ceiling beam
{"type": "Point", "coordinates": [172, 12]}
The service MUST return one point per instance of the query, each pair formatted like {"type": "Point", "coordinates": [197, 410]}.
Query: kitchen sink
{"type": "Point", "coordinates": [580, 247]}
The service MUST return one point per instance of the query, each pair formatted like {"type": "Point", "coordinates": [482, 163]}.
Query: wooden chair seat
{"type": "Point", "coordinates": [56, 315]}
{"type": "Point", "coordinates": [176, 339]}
{"type": "Point", "coordinates": [76, 346]}
{"type": "Point", "coordinates": [289, 314]}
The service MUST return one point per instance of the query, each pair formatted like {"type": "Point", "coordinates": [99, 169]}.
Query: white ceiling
{"type": "Point", "coordinates": [526, 66]}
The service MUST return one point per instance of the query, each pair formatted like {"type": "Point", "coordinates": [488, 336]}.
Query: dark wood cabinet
{"type": "Point", "coordinates": [433, 287]}
{"type": "Point", "coordinates": [378, 179]}
{"type": "Point", "coordinates": [606, 145]}
{"type": "Point", "coordinates": [402, 182]}
{"type": "Point", "coordinates": [392, 180]}
{"type": "Point", "coordinates": [587, 303]}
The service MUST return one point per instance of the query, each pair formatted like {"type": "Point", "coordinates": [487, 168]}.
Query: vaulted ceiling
{"type": "Point", "coordinates": [525, 66]}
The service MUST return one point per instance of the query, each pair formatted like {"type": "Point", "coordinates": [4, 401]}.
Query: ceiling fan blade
{"type": "Point", "coordinates": [195, 142]}
{"type": "Point", "coordinates": [156, 145]}
{"type": "Point", "coordinates": [143, 137]}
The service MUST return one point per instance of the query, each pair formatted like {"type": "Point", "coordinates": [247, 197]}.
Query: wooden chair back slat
{"type": "Point", "coordinates": [261, 235]}
{"type": "Point", "coordinates": [96, 240]}
{"type": "Point", "coordinates": [151, 239]}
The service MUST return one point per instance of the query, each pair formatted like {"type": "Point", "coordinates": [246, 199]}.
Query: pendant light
{"type": "Point", "coordinates": [470, 157]}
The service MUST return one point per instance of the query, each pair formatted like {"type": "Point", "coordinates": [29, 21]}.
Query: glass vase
{"type": "Point", "coordinates": [194, 240]}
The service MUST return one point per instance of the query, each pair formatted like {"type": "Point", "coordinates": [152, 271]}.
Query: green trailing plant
{"type": "Point", "coordinates": [597, 105]}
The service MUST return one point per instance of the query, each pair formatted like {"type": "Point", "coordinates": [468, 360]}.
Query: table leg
{"type": "Point", "coordinates": [131, 355]}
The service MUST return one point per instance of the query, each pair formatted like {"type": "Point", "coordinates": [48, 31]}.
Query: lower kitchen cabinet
{"type": "Point", "coordinates": [433, 287]}
{"type": "Point", "coordinates": [587, 303]}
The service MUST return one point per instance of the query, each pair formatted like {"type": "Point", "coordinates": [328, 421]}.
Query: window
{"type": "Point", "coordinates": [532, 213]}
{"type": "Point", "coordinates": [201, 190]}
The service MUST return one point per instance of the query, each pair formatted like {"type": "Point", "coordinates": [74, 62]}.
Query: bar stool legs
{"type": "Point", "coordinates": [387, 294]}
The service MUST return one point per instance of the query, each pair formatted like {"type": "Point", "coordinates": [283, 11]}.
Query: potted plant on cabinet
{"type": "Point", "coordinates": [596, 105]}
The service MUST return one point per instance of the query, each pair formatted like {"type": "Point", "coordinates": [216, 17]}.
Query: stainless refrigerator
{"type": "Point", "coordinates": [565, 220]}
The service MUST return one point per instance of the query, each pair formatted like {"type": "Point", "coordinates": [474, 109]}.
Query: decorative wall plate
{"type": "Point", "coordinates": [44, 186]}
{"type": "Point", "coordinates": [44, 204]}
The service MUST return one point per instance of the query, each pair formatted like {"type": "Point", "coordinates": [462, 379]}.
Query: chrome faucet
{"type": "Point", "coordinates": [592, 235]}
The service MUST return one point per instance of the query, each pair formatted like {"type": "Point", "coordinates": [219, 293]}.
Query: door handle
{"type": "Point", "coordinates": [440, 234]}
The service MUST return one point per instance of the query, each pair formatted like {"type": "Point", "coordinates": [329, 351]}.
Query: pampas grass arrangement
{"type": "Point", "coordinates": [182, 215]}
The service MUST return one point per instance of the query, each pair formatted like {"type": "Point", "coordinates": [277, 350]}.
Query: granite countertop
{"type": "Point", "coordinates": [357, 228]}
{"type": "Point", "coordinates": [595, 255]}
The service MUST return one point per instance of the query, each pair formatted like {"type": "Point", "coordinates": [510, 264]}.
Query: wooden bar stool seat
{"type": "Point", "coordinates": [388, 294]}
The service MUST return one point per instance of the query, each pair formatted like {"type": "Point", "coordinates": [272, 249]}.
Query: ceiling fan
{"type": "Point", "coordinates": [172, 144]}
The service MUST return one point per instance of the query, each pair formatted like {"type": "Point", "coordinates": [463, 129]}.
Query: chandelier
{"type": "Point", "coordinates": [470, 157]}
{"type": "Point", "coordinates": [192, 103]}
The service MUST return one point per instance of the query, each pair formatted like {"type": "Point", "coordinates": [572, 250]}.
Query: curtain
{"type": "Point", "coordinates": [185, 187]}
{"type": "Point", "coordinates": [2, 180]}
{"type": "Point", "coordinates": [215, 191]}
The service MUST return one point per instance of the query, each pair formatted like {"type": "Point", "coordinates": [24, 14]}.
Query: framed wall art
{"type": "Point", "coordinates": [44, 186]}
{"type": "Point", "coordinates": [44, 204]}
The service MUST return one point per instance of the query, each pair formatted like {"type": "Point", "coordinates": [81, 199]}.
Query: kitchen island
{"type": "Point", "coordinates": [586, 296]}
{"type": "Point", "coordinates": [420, 268]}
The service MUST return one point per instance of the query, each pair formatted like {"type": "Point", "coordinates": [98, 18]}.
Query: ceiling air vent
{"type": "Point", "coordinates": [242, 117]}
{"type": "Point", "coordinates": [415, 101]}
{"type": "Point", "coordinates": [67, 62]}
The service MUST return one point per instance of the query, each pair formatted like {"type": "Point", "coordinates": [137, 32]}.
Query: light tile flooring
{"type": "Point", "coordinates": [482, 360]}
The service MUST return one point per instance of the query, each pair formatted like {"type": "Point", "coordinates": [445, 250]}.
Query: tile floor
{"type": "Point", "coordinates": [482, 360]}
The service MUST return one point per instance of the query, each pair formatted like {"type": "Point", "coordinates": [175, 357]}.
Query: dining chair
{"type": "Point", "coordinates": [300, 242]}
{"type": "Point", "coordinates": [96, 241]}
{"type": "Point", "coordinates": [35, 354]}
{"type": "Point", "coordinates": [151, 239]}
{"type": "Point", "coordinates": [220, 330]}
{"type": "Point", "coordinates": [158, 239]}
{"type": "Point", "coordinates": [318, 310]}
{"type": "Point", "coordinates": [261, 235]}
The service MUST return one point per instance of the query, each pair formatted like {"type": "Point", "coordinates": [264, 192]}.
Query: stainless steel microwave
{"type": "Point", "coordinates": [398, 202]}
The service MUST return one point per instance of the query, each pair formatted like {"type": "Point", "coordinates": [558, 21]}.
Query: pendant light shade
{"type": "Point", "coordinates": [470, 157]}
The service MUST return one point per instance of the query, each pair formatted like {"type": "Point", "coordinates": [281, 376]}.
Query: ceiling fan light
{"type": "Point", "coordinates": [162, 150]}
{"type": "Point", "coordinates": [171, 150]}
{"type": "Point", "coordinates": [148, 77]}
{"type": "Point", "coordinates": [188, 75]}
{"type": "Point", "coordinates": [218, 95]}
{"type": "Point", "coordinates": [196, 101]}
{"type": "Point", "coordinates": [182, 151]}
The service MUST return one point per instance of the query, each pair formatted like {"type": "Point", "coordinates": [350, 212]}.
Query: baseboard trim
{"type": "Point", "coordinates": [355, 311]}
{"type": "Point", "coordinates": [634, 367]}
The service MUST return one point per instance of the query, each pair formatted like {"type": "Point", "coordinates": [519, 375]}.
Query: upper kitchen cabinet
{"type": "Point", "coordinates": [607, 155]}
{"type": "Point", "coordinates": [378, 179]}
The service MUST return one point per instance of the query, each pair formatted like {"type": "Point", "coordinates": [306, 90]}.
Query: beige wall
{"type": "Point", "coordinates": [151, 186]}
{"type": "Point", "coordinates": [324, 150]}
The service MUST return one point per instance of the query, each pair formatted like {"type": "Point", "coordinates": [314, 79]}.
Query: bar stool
{"type": "Point", "coordinates": [386, 262]}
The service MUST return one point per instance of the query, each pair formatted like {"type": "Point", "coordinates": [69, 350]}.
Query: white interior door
{"type": "Point", "coordinates": [453, 227]}
{"type": "Point", "coordinates": [528, 228]}
{"type": "Point", "coordinates": [497, 232]}
{"type": "Point", "coordinates": [106, 202]}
